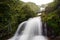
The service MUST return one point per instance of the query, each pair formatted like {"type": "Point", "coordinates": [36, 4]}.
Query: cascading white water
{"type": "Point", "coordinates": [32, 30]}
{"type": "Point", "coordinates": [16, 35]}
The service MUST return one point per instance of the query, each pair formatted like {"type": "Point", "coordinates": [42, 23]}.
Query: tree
{"type": "Point", "coordinates": [12, 13]}
{"type": "Point", "coordinates": [27, 11]}
{"type": "Point", "coordinates": [52, 17]}
{"type": "Point", "coordinates": [8, 15]}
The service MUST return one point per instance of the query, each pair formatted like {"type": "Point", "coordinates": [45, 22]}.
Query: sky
{"type": "Point", "coordinates": [38, 2]}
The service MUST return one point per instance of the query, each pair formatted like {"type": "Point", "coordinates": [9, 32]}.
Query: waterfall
{"type": "Point", "coordinates": [29, 30]}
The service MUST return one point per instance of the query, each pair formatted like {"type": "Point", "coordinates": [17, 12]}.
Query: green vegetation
{"type": "Point", "coordinates": [12, 13]}
{"type": "Point", "coordinates": [52, 17]}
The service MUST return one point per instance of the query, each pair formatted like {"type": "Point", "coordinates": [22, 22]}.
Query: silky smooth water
{"type": "Point", "coordinates": [29, 30]}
